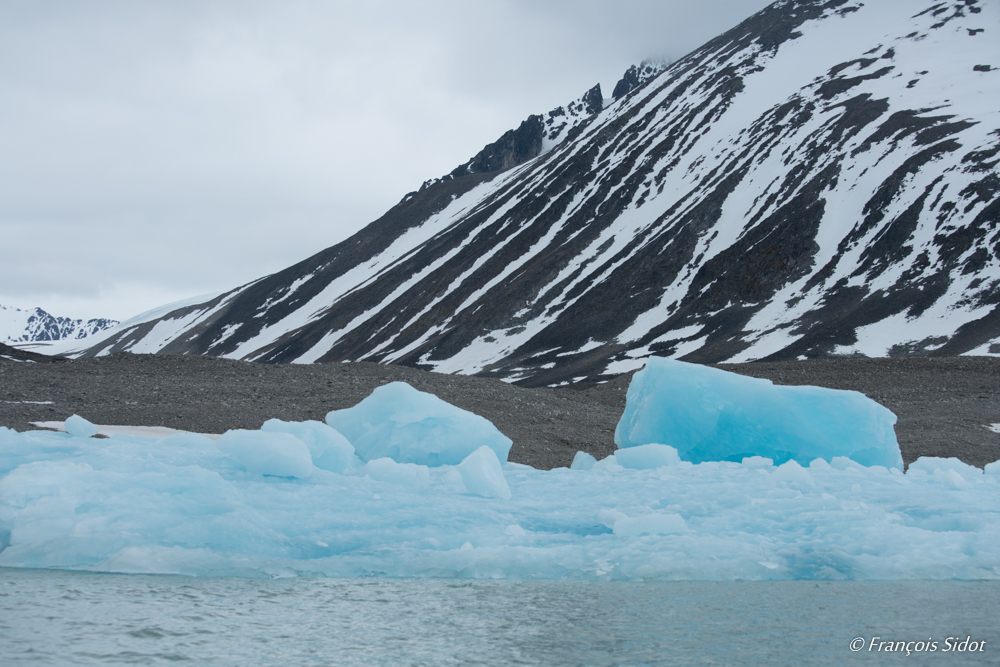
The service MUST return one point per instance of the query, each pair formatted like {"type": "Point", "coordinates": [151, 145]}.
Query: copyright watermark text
{"type": "Point", "coordinates": [929, 645]}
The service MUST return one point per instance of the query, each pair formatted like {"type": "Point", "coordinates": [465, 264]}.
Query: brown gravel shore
{"type": "Point", "coordinates": [944, 405]}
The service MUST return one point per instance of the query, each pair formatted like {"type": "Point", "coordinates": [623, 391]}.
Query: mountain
{"type": "Point", "coordinates": [821, 180]}
{"type": "Point", "coordinates": [35, 325]}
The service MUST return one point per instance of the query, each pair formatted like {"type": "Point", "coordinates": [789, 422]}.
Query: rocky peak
{"type": "Point", "coordinates": [635, 76]}
{"type": "Point", "coordinates": [533, 136]}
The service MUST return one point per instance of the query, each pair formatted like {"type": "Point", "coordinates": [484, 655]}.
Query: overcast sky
{"type": "Point", "coordinates": [157, 150]}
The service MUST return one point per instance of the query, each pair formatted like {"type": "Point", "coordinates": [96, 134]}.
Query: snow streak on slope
{"type": "Point", "coordinates": [820, 180]}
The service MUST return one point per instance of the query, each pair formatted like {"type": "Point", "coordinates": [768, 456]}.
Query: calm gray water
{"type": "Point", "coordinates": [64, 618]}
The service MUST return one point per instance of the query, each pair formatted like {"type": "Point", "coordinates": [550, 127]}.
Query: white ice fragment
{"type": "Point", "coordinates": [951, 479]}
{"type": "Point", "coordinates": [79, 427]}
{"type": "Point", "coordinates": [769, 564]}
{"type": "Point", "coordinates": [757, 462]}
{"type": "Point", "coordinates": [582, 461]}
{"type": "Point", "coordinates": [328, 448]}
{"type": "Point", "coordinates": [844, 463]}
{"type": "Point", "coordinates": [403, 474]}
{"type": "Point", "coordinates": [411, 426]}
{"type": "Point", "coordinates": [647, 457]}
{"type": "Point", "coordinates": [791, 471]}
{"type": "Point", "coordinates": [514, 530]}
{"type": "Point", "coordinates": [452, 477]}
{"type": "Point", "coordinates": [608, 464]}
{"type": "Point", "coordinates": [708, 414]}
{"type": "Point", "coordinates": [932, 464]}
{"type": "Point", "coordinates": [658, 523]}
{"type": "Point", "coordinates": [819, 465]}
{"type": "Point", "coordinates": [609, 517]}
{"type": "Point", "coordinates": [260, 453]}
{"type": "Point", "coordinates": [483, 476]}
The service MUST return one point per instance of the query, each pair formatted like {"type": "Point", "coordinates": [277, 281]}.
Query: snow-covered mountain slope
{"type": "Point", "coordinates": [35, 325]}
{"type": "Point", "coordinates": [821, 180]}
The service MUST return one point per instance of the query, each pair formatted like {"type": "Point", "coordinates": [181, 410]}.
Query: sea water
{"type": "Point", "coordinates": [72, 618]}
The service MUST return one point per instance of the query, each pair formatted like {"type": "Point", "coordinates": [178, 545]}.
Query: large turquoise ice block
{"type": "Point", "coordinates": [409, 426]}
{"type": "Point", "coordinates": [709, 414]}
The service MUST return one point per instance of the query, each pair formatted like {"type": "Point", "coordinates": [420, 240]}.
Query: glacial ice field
{"type": "Point", "coordinates": [717, 477]}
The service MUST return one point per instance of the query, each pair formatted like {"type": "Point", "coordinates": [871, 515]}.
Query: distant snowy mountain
{"type": "Point", "coordinates": [35, 325]}
{"type": "Point", "coordinates": [820, 180]}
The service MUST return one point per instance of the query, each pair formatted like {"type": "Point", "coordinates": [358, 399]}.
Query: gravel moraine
{"type": "Point", "coordinates": [945, 405]}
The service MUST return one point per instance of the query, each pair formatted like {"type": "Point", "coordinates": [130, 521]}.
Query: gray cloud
{"type": "Point", "coordinates": [158, 150]}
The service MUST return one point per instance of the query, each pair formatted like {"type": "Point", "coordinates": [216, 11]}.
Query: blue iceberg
{"type": "Point", "coordinates": [708, 414]}
{"type": "Point", "coordinates": [410, 426]}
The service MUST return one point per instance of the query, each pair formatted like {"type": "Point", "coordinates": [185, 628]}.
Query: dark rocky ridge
{"type": "Point", "coordinates": [40, 326]}
{"type": "Point", "coordinates": [515, 147]}
{"type": "Point", "coordinates": [634, 77]}
{"type": "Point", "coordinates": [944, 405]}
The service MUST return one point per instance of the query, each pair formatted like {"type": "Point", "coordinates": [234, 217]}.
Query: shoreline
{"type": "Point", "coordinates": [945, 405]}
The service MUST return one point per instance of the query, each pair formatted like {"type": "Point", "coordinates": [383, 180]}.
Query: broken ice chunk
{"type": "Point", "coordinates": [709, 414]}
{"type": "Point", "coordinates": [647, 457]}
{"type": "Point", "coordinates": [410, 426]}
{"type": "Point", "coordinates": [260, 453]}
{"type": "Point", "coordinates": [80, 427]}
{"type": "Point", "coordinates": [329, 450]}
{"type": "Point", "coordinates": [402, 474]}
{"type": "Point", "coordinates": [582, 461]}
{"type": "Point", "coordinates": [483, 476]}
{"type": "Point", "coordinates": [657, 523]}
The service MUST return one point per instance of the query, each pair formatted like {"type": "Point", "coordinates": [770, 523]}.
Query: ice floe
{"type": "Point", "coordinates": [294, 499]}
